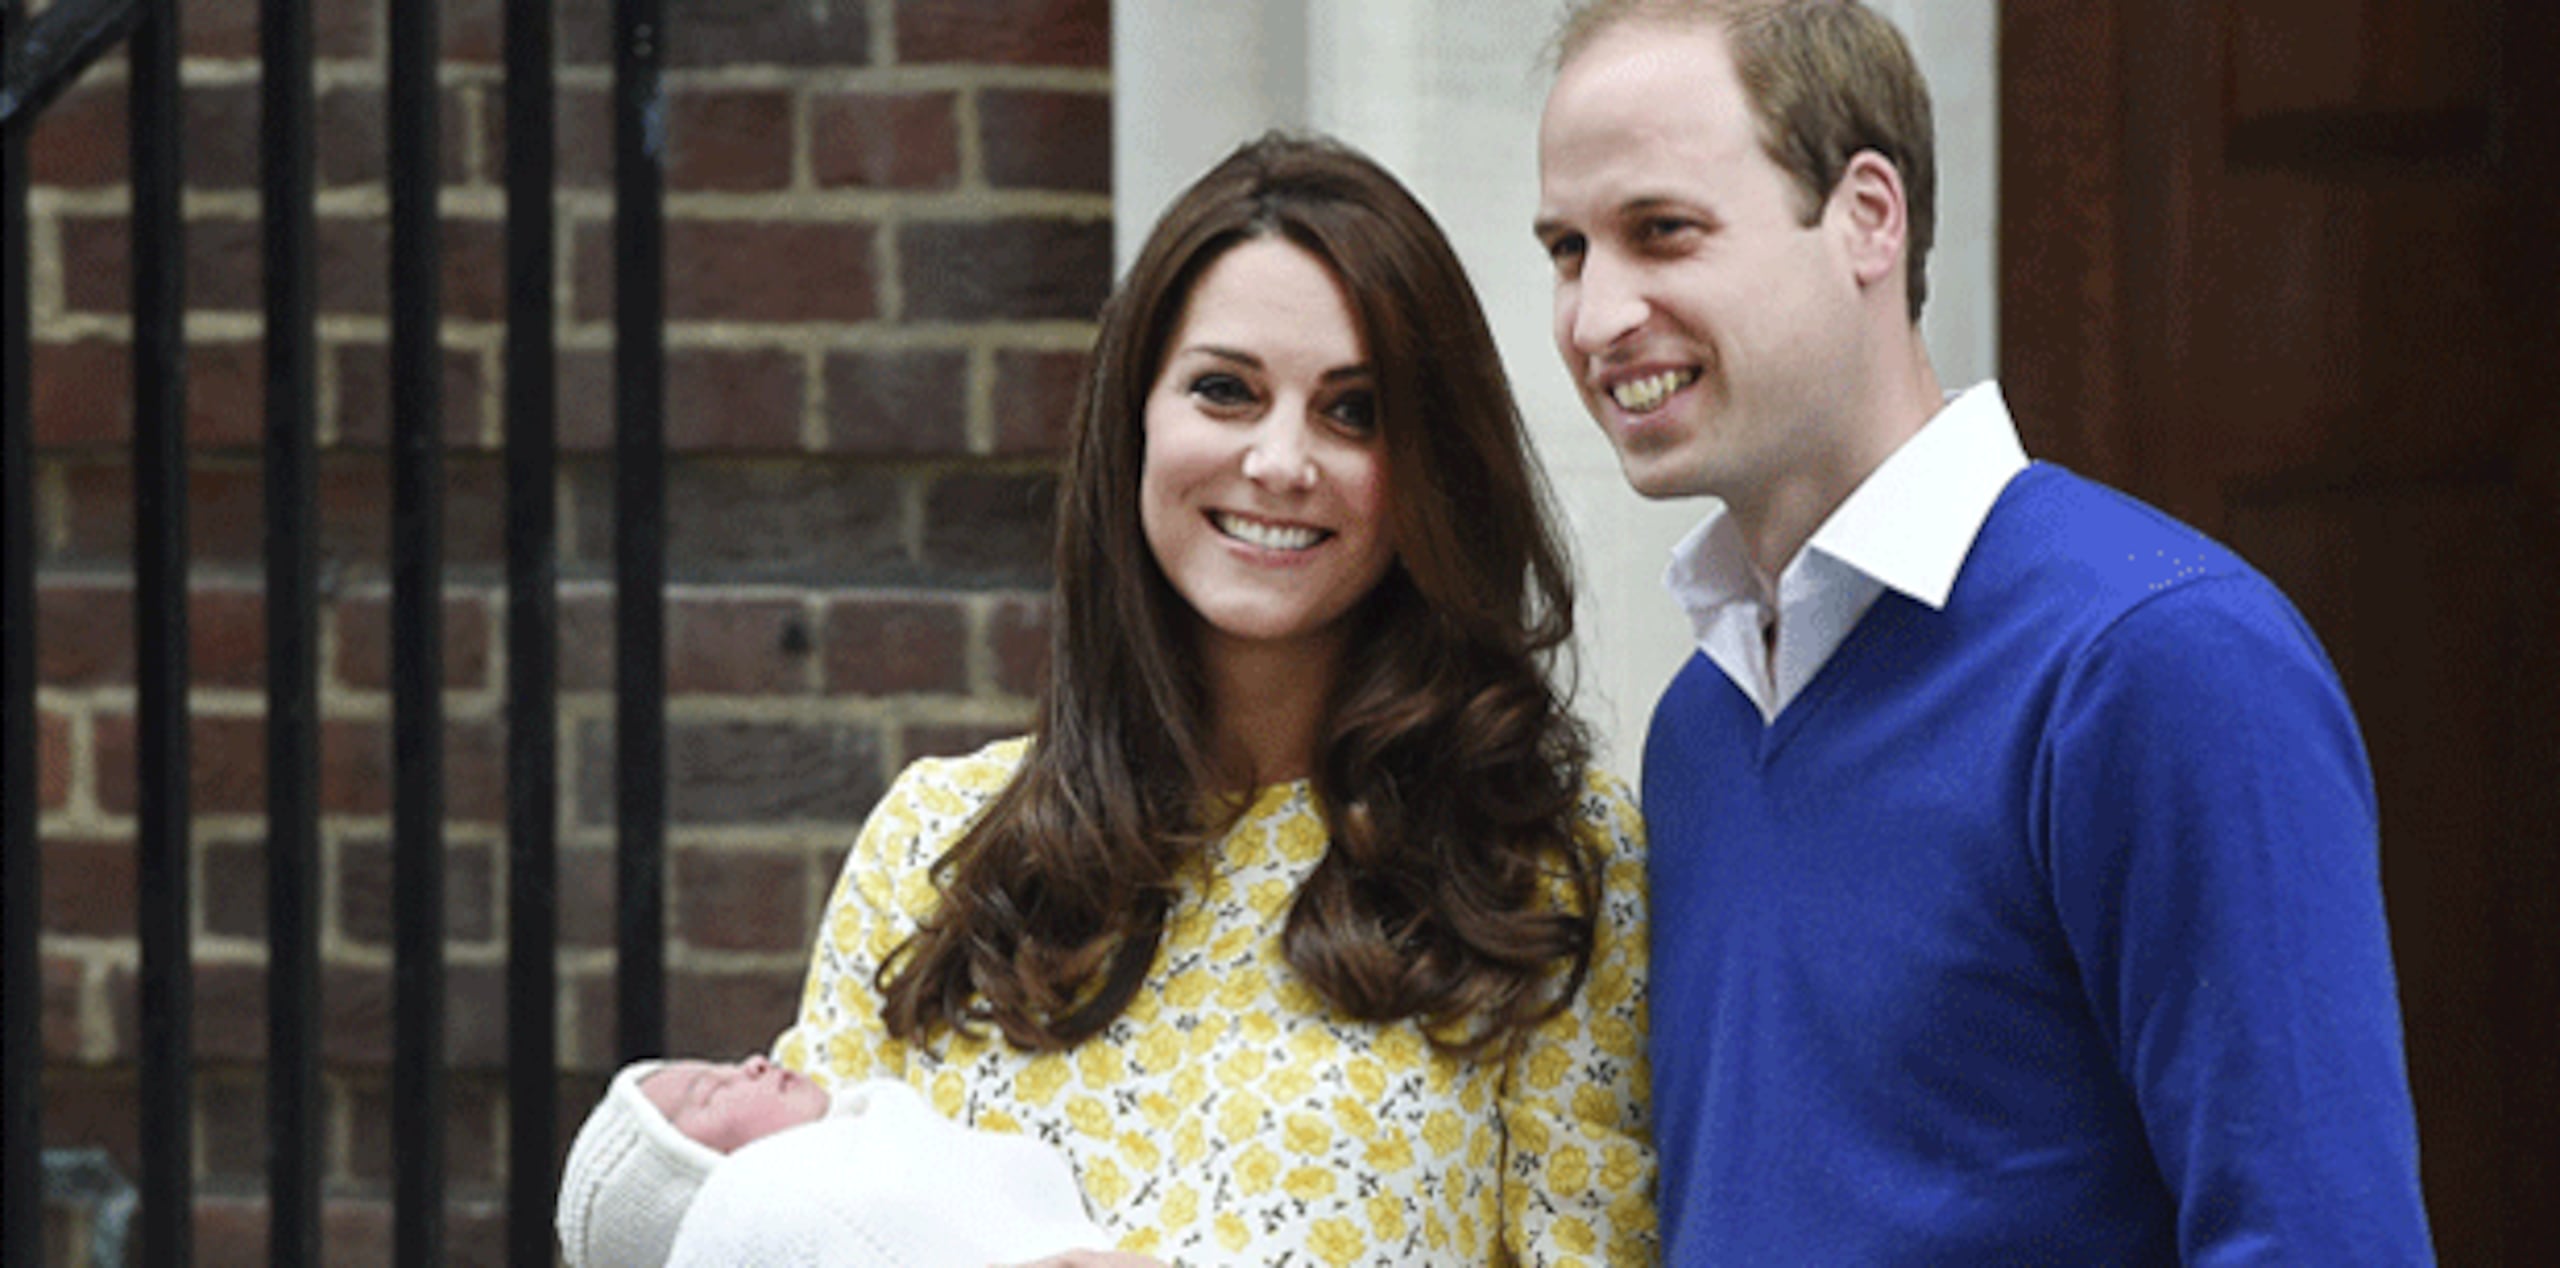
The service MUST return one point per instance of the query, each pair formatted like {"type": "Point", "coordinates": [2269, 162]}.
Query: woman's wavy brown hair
{"type": "Point", "coordinates": [1448, 768]}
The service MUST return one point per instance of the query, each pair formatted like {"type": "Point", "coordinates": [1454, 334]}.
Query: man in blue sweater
{"type": "Point", "coordinates": [2014, 867]}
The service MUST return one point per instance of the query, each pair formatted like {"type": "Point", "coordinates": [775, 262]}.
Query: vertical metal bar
{"type": "Point", "coordinates": [160, 634]}
{"type": "Point", "coordinates": [21, 986]}
{"type": "Point", "coordinates": [417, 659]}
{"type": "Point", "coordinates": [293, 638]}
{"type": "Point", "coordinates": [640, 533]}
{"type": "Point", "coordinates": [533, 642]}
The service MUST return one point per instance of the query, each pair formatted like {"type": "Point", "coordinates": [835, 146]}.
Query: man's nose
{"type": "Point", "coordinates": [1608, 304]}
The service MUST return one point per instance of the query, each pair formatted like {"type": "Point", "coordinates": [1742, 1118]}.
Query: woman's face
{"type": "Point", "coordinates": [1264, 495]}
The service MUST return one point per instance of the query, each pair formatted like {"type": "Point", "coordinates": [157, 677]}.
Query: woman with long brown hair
{"type": "Point", "coordinates": [1299, 920]}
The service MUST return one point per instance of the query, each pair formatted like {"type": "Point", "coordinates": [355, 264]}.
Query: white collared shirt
{"type": "Point", "coordinates": [1906, 527]}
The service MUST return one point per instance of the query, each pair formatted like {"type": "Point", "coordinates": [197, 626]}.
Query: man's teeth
{"type": "Point", "coordinates": [1267, 536]}
{"type": "Point", "coordinates": [1637, 396]}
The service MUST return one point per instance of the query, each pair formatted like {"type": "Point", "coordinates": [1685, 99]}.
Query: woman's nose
{"type": "Point", "coordinates": [1278, 458]}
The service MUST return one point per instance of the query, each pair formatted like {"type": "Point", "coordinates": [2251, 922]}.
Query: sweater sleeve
{"type": "Point", "coordinates": [886, 881]}
{"type": "Point", "coordinates": [2210, 829]}
{"type": "Point", "coordinates": [1578, 1164]}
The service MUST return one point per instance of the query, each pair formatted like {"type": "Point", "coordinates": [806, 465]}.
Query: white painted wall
{"type": "Point", "coordinates": [1446, 94]}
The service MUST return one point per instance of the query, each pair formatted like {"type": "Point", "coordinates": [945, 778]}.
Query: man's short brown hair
{"type": "Point", "coordinates": [1825, 79]}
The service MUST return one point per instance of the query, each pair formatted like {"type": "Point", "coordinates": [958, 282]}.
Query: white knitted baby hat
{"type": "Point", "coordinates": [629, 1177]}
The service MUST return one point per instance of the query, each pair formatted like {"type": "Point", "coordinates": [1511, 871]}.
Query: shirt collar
{"type": "Point", "coordinates": [1908, 525]}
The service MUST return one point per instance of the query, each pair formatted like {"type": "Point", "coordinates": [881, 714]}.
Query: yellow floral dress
{"type": "Point", "coordinates": [1229, 1116]}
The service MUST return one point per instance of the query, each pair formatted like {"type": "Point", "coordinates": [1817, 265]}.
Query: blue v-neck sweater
{"type": "Point", "coordinates": [2045, 928]}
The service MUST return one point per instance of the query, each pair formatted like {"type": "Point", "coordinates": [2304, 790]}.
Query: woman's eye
{"type": "Point", "coordinates": [1355, 412]}
{"type": "Point", "coordinates": [1221, 390]}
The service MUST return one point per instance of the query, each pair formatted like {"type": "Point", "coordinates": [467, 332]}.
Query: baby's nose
{"type": "Point", "coordinates": [755, 1065]}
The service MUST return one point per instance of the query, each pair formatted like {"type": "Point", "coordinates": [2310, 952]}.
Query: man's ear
{"type": "Point", "coordinates": [1873, 216]}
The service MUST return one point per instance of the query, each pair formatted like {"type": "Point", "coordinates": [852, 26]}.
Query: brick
{"type": "Point", "coordinates": [228, 29]}
{"type": "Point", "coordinates": [1046, 140]}
{"type": "Point", "coordinates": [84, 635]}
{"type": "Point", "coordinates": [722, 400]}
{"type": "Point", "coordinates": [471, 1145]}
{"type": "Point", "coordinates": [364, 641]}
{"type": "Point", "coordinates": [231, 1121]}
{"type": "Point", "coordinates": [730, 1011]}
{"type": "Point", "coordinates": [1005, 270]}
{"type": "Point", "coordinates": [1035, 400]}
{"type": "Point", "coordinates": [233, 876]}
{"type": "Point", "coordinates": [733, 772]}
{"type": "Point", "coordinates": [992, 529]}
{"type": "Point", "coordinates": [63, 979]}
{"type": "Point", "coordinates": [588, 899]}
{"type": "Point", "coordinates": [229, 1230]}
{"type": "Point", "coordinates": [885, 140]}
{"type": "Point", "coordinates": [226, 766]}
{"type": "Point", "coordinates": [586, 642]}
{"type": "Point", "coordinates": [364, 397]}
{"type": "Point", "coordinates": [1018, 635]}
{"type": "Point", "coordinates": [736, 140]}
{"type": "Point", "coordinates": [352, 145]}
{"type": "Point", "coordinates": [728, 270]}
{"type": "Point", "coordinates": [733, 646]}
{"type": "Point", "coordinates": [746, 523]}
{"type": "Point", "coordinates": [888, 646]}
{"type": "Point", "coordinates": [366, 885]}
{"type": "Point", "coordinates": [355, 1012]}
{"type": "Point", "coordinates": [356, 770]}
{"type": "Point", "coordinates": [89, 888]}
{"type": "Point", "coordinates": [1005, 32]}
{"type": "Point", "coordinates": [84, 393]}
{"type": "Point", "coordinates": [80, 141]}
{"type": "Point", "coordinates": [739, 900]}
{"type": "Point", "coordinates": [53, 760]}
{"type": "Point", "coordinates": [581, 136]}
{"type": "Point", "coordinates": [90, 1107]}
{"type": "Point", "coordinates": [355, 511]}
{"type": "Point", "coordinates": [225, 514]}
{"type": "Point", "coordinates": [227, 636]}
{"type": "Point", "coordinates": [813, 33]}
{"type": "Point", "coordinates": [224, 268]}
{"type": "Point", "coordinates": [219, 136]}
{"type": "Point", "coordinates": [953, 739]}
{"type": "Point", "coordinates": [906, 402]}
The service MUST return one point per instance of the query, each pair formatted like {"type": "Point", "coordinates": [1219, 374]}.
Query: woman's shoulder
{"type": "Point", "coordinates": [977, 776]}
{"type": "Point", "coordinates": [1607, 817]}
{"type": "Point", "coordinates": [934, 799]}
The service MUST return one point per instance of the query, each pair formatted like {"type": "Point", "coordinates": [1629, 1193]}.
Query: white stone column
{"type": "Point", "coordinates": [1446, 94]}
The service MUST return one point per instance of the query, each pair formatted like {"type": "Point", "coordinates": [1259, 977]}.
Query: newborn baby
{"type": "Point", "coordinates": [693, 1164]}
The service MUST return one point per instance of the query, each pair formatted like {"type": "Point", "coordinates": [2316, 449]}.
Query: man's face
{"type": "Point", "coordinates": [1709, 330]}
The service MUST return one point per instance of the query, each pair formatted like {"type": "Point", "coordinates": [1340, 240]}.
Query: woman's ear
{"type": "Point", "coordinates": [1873, 217]}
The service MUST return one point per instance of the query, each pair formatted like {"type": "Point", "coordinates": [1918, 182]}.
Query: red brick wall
{"type": "Point", "coordinates": [888, 228]}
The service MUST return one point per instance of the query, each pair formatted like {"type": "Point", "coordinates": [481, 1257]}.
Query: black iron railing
{"type": "Point", "coordinates": [44, 57]}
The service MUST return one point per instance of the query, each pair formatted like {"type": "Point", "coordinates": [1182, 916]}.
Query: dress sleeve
{"type": "Point", "coordinates": [2212, 843]}
{"type": "Point", "coordinates": [886, 881]}
{"type": "Point", "coordinates": [1578, 1164]}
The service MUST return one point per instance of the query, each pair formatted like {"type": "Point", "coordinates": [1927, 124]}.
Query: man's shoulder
{"type": "Point", "coordinates": [2058, 545]}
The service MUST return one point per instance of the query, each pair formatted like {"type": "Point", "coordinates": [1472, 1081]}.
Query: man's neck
{"type": "Point", "coordinates": [1779, 518]}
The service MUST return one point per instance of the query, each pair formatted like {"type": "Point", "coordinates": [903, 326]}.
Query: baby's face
{"type": "Point", "coordinates": [726, 1104]}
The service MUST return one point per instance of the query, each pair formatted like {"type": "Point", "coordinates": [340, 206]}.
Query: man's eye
{"type": "Point", "coordinates": [1660, 229]}
{"type": "Point", "coordinates": [1564, 246]}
